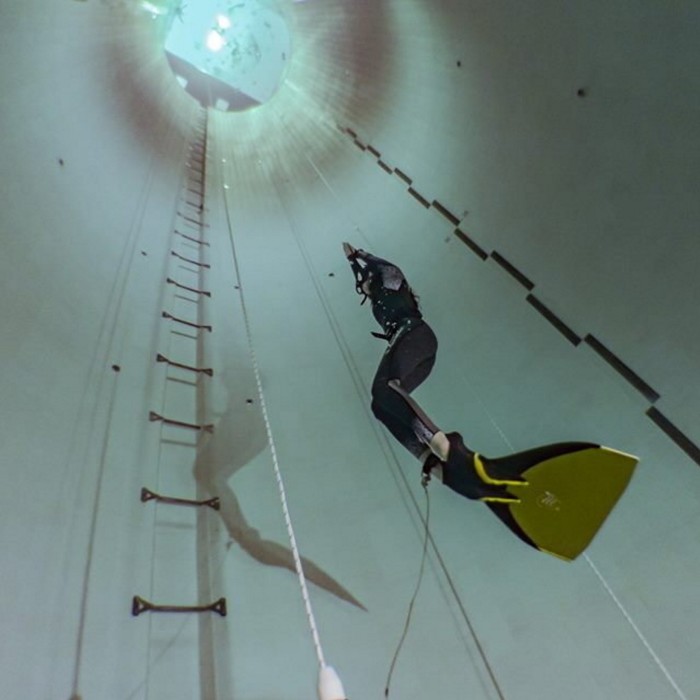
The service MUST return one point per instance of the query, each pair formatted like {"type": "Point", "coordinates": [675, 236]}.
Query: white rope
{"type": "Point", "coordinates": [283, 498]}
{"type": "Point", "coordinates": [278, 474]}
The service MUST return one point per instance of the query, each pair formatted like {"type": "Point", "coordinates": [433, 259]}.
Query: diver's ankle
{"type": "Point", "coordinates": [440, 446]}
{"type": "Point", "coordinates": [432, 467]}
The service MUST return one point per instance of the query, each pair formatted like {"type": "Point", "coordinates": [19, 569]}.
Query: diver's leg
{"type": "Point", "coordinates": [401, 432]}
{"type": "Point", "coordinates": [404, 367]}
{"type": "Point", "coordinates": [407, 363]}
{"type": "Point", "coordinates": [447, 457]}
{"type": "Point", "coordinates": [438, 442]}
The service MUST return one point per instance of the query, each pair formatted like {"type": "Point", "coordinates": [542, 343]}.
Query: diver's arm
{"type": "Point", "coordinates": [363, 263]}
{"type": "Point", "coordinates": [353, 254]}
{"type": "Point", "coordinates": [366, 266]}
{"type": "Point", "coordinates": [362, 268]}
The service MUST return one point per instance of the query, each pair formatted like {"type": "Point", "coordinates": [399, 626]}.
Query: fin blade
{"type": "Point", "coordinates": [569, 498]}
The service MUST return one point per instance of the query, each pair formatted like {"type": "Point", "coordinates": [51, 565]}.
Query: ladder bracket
{"type": "Point", "coordinates": [139, 605]}
{"type": "Point", "coordinates": [191, 238]}
{"type": "Point", "coordinates": [189, 219]}
{"type": "Point", "coordinates": [165, 314]}
{"type": "Point", "coordinates": [191, 262]}
{"type": "Point", "coordinates": [153, 416]}
{"type": "Point", "coordinates": [189, 289]}
{"type": "Point", "coordinates": [148, 495]}
{"type": "Point", "coordinates": [163, 358]}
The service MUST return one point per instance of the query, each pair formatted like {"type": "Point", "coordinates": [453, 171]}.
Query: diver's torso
{"type": "Point", "coordinates": [393, 307]}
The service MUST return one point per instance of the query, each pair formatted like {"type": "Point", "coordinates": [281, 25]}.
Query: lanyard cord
{"type": "Point", "coordinates": [415, 592]}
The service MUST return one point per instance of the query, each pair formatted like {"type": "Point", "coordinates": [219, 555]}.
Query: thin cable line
{"type": "Point", "coordinates": [415, 593]}
{"type": "Point", "coordinates": [388, 449]}
{"type": "Point", "coordinates": [107, 331]}
{"type": "Point", "coordinates": [636, 629]}
{"type": "Point", "coordinates": [91, 542]}
{"type": "Point", "coordinates": [152, 663]}
{"type": "Point", "coordinates": [622, 609]}
{"type": "Point", "coordinates": [601, 578]}
{"type": "Point", "coordinates": [278, 475]}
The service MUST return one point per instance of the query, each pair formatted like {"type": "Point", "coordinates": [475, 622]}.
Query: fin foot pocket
{"type": "Point", "coordinates": [489, 473]}
{"type": "Point", "coordinates": [461, 474]}
{"type": "Point", "coordinates": [571, 489]}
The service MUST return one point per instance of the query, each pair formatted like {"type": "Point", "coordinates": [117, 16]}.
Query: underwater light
{"type": "Point", "coordinates": [215, 42]}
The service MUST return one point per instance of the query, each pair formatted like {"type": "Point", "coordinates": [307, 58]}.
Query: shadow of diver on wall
{"type": "Point", "coordinates": [240, 436]}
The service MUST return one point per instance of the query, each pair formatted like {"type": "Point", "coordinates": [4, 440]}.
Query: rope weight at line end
{"type": "Point", "coordinates": [329, 685]}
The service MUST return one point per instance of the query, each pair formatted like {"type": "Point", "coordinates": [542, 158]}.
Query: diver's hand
{"type": "Point", "coordinates": [349, 251]}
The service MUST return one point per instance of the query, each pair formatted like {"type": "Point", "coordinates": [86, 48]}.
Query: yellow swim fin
{"type": "Point", "coordinates": [571, 489]}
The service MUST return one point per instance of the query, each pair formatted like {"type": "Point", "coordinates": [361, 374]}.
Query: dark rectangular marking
{"type": "Point", "coordinates": [621, 368]}
{"type": "Point", "coordinates": [419, 197]}
{"type": "Point", "coordinates": [470, 244]}
{"type": "Point", "coordinates": [403, 176]}
{"type": "Point", "coordinates": [360, 145]}
{"type": "Point", "coordinates": [374, 151]}
{"type": "Point", "coordinates": [513, 271]}
{"type": "Point", "coordinates": [383, 165]}
{"type": "Point", "coordinates": [679, 437]}
{"type": "Point", "coordinates": [350, 132]}
{"type": "Point", "coordinates": [446, 213]}
{"type": "Point", "coordinates": [554, 319]}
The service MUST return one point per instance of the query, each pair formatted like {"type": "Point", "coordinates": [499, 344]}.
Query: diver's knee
{"type": "Point", "coordinates": [380, 392]}
{"type": "Point", "coordinates": [385, 390]}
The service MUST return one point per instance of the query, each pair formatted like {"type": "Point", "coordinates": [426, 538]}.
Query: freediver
{"type": "Point", "coordinates": [553, 497]}
{"type": "Point", "coordinates": [405, 365]}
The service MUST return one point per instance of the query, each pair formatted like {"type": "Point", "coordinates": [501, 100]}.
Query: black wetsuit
{"type": "Point", "coordinates": [411, 353]}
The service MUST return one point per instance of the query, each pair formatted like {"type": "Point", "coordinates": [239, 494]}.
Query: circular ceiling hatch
{"type": "Point", "coordinates": [227, 54]}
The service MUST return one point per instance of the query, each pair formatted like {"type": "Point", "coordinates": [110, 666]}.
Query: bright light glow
{"type": "Point", "coordinates": [243, 45]}
{"type": "Point", "coordinates": [150, 7]}
{"type": "Point", "coordinates": [215, 42]}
